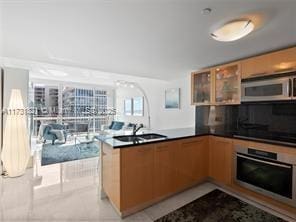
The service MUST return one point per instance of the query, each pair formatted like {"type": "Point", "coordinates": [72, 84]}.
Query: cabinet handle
{"type": "Point", "coordinates": [162, 148]}
{"type": "Point", "coordinates": [144, 150]}
{"type": "Point", "coordinates": [263, 161]}
{"type": "Point", "coordinates": [190, 142]}
{"type": "Point", "coordinates": [259, 74]}
{"type": "Point", "coordinates": [279, 71]}
{"type": "Point", "coordinates": [222, 140]}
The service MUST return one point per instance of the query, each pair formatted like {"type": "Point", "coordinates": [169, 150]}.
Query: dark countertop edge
{"type": "Point", "coordinates": [258, 140]}
{"type": "Point", "coordinates": [155, 141]}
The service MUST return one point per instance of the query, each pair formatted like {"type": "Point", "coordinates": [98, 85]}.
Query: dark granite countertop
{"type": "Point", "coordinates": [171, 134]}
{"type": "Point", "coordinates": [182, 133]}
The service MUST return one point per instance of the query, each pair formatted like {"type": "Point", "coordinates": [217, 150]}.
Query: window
{"type": "Point", "coordinates": [78, 108]}
{"type": "Point", "coordinates": [134, 106]}
{"type": "Point", "coordinates": [138, 109]}
{"type": "Point", "coordinates": [128, 109]}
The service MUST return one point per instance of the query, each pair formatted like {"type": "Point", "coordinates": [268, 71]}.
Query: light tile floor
{"type": "Point", "coordinates": [70, 192]}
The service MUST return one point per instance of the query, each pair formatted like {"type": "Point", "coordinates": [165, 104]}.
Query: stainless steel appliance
{"type": "Point", "coordinates": [273, 174]}
{"type": "Point", "coordinates": [272, 88]}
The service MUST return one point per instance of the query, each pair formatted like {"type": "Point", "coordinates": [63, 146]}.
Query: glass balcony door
{"type": "Point", "coordinates": [80, 109]}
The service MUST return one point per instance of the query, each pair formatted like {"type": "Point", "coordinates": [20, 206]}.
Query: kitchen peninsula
{"type": "Point", "coordinates": [136, 175]}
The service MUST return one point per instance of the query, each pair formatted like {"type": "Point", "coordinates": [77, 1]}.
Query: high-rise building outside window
{"type": "Point", "coordinates": [78, 108]}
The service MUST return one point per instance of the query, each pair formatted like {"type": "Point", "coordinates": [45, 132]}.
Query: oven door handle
{"type": "Point", "coordinates": [263, 161]}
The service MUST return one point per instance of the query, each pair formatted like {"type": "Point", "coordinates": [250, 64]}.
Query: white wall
{"type": "Point", "coordinates": [183, 117]}
{"type": "Point", "coordinates": [161, 118]}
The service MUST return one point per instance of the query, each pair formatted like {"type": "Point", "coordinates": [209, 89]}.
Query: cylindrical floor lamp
{"type": "Point", "coordinates": [15, 152]}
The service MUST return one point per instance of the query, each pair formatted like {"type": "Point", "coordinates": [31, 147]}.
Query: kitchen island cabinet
{"type": "Point", "coordinates": [165, 172]}
{"type": "Point", "coordinates": [137, 176]}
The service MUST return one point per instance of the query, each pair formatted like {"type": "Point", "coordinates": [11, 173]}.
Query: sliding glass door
{"type": "Point", "coordinates": [80, 108]}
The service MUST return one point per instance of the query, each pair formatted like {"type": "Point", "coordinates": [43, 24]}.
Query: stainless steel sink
{"type": "Point", "coordinates": [130, 138]}
{"type": "Point", "coordinates": [152, 136]}
{"type": "Point", "coordinates": [139, 138]}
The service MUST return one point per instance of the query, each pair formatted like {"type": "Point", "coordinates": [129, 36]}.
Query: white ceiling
{"type": "Point", "coordinates": [161, 39]}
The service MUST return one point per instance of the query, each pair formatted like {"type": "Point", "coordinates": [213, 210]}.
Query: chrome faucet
{"type": "Point", "coordinates": [136, 129]}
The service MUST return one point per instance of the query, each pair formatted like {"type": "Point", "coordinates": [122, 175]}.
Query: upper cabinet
{"type": "Point", "coordinates": [218, 85]}
{"type": "Point", "coordinates": [221, 85]}
{"type": "Point", "coordinates": [201, 85]}
{"type": "Point", "coordinates": [227, 84]}
{"type": "Point", "coordinates": [268, 64]}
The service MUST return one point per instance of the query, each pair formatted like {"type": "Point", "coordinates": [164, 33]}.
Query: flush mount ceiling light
{"type": "Point", "coordinates": [233, 30]}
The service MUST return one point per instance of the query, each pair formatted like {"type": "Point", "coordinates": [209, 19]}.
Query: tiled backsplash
{"type": "Point", "coordinates": [272, 117]}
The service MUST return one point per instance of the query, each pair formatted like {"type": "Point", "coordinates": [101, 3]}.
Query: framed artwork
{"type": "Point", "coordinates": [138, 106]}
{"type": "Point", "coordinates": [128, 107]}
{"type": "Point", "coordinates": [172, 98]}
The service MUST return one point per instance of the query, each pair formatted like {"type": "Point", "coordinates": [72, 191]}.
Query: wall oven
{"type": "Point", "coordinates": [268, 89]}
{"type": "Point", "coordinates": [273, 174]}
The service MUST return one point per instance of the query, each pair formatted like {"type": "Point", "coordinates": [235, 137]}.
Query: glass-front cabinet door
{"type": "Point", "coordinates": [201, 87]}
{"type": "Point", "coordinates": [227, 84]}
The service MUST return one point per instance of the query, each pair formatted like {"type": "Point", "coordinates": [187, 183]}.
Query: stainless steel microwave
{"type": "Point", "coordinates": [271, 89]}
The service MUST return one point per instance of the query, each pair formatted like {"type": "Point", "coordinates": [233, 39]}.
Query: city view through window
{"type": "Point", "coordinates": [79, 109]}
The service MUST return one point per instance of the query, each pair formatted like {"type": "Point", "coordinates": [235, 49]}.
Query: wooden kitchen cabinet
{"type": "Point", "coordinates": [191, 161]}
{"type": "Point", "coordinates": [270, 63]}
{"type": "Point", "coordinates": [284, 60]}
{"type": "Point", "coordinates": [256, 66]}
{"type": "Point", "coordinates": [137, 176]}
{"type": "Point", "coordinates": [216, 86]}
{"type": "Point", "coordinates": [220, 159]}
{"type": "Point", "coordinates": [227, 84]}
{"type": "Point", "coordinates": [202, 87]}
{"type": "Point", "coordinates": [221, 84]}
{"type": "Point", "coordinates": [111, 173]}
{"type": "Point", "coordinates": [165, 168]}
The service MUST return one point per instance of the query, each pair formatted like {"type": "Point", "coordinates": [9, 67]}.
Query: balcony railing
{"type": "Point", "coordinates": [73, 125]}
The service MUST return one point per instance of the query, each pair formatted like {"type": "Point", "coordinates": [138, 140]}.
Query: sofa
{"type": "Point", "coordinates": [53, 132]}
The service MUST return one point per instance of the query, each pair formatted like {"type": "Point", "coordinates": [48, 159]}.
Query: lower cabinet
{"type": "Point", "coordinates": [165, 173]}
{"type": "Point", "coordinates": [137, 176]}
{"type": "Point", "coordinates": [111, 173]}
{"type": "Point", "coordinates": [191, 161]}
{"type": "Point", "coordinates": [220, 159]}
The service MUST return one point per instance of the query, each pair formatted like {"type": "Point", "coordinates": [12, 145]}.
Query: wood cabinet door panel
{"type": "Point", "coordinates": [270, 63]}
{"type": "Point", "coordinates": [111, 173]}
{"type": "Point", "coordinates": [220, 159]}
{"type": "Point", "coordinates": [137, 176]}
{"type": "Point", "coordinates": [284, 60]}
{"type": "Point", "coordinates": [164, 168]}
{"type": "Point", "coordinates": [191, 161]}
{"type": "Point", "coordinates": [256, 66]}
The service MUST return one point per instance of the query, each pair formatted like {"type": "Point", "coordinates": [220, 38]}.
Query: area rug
{"type": "Point", "coordinates": [62, 152]}
{"type": "Point", "coordinates": [218, 206]}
